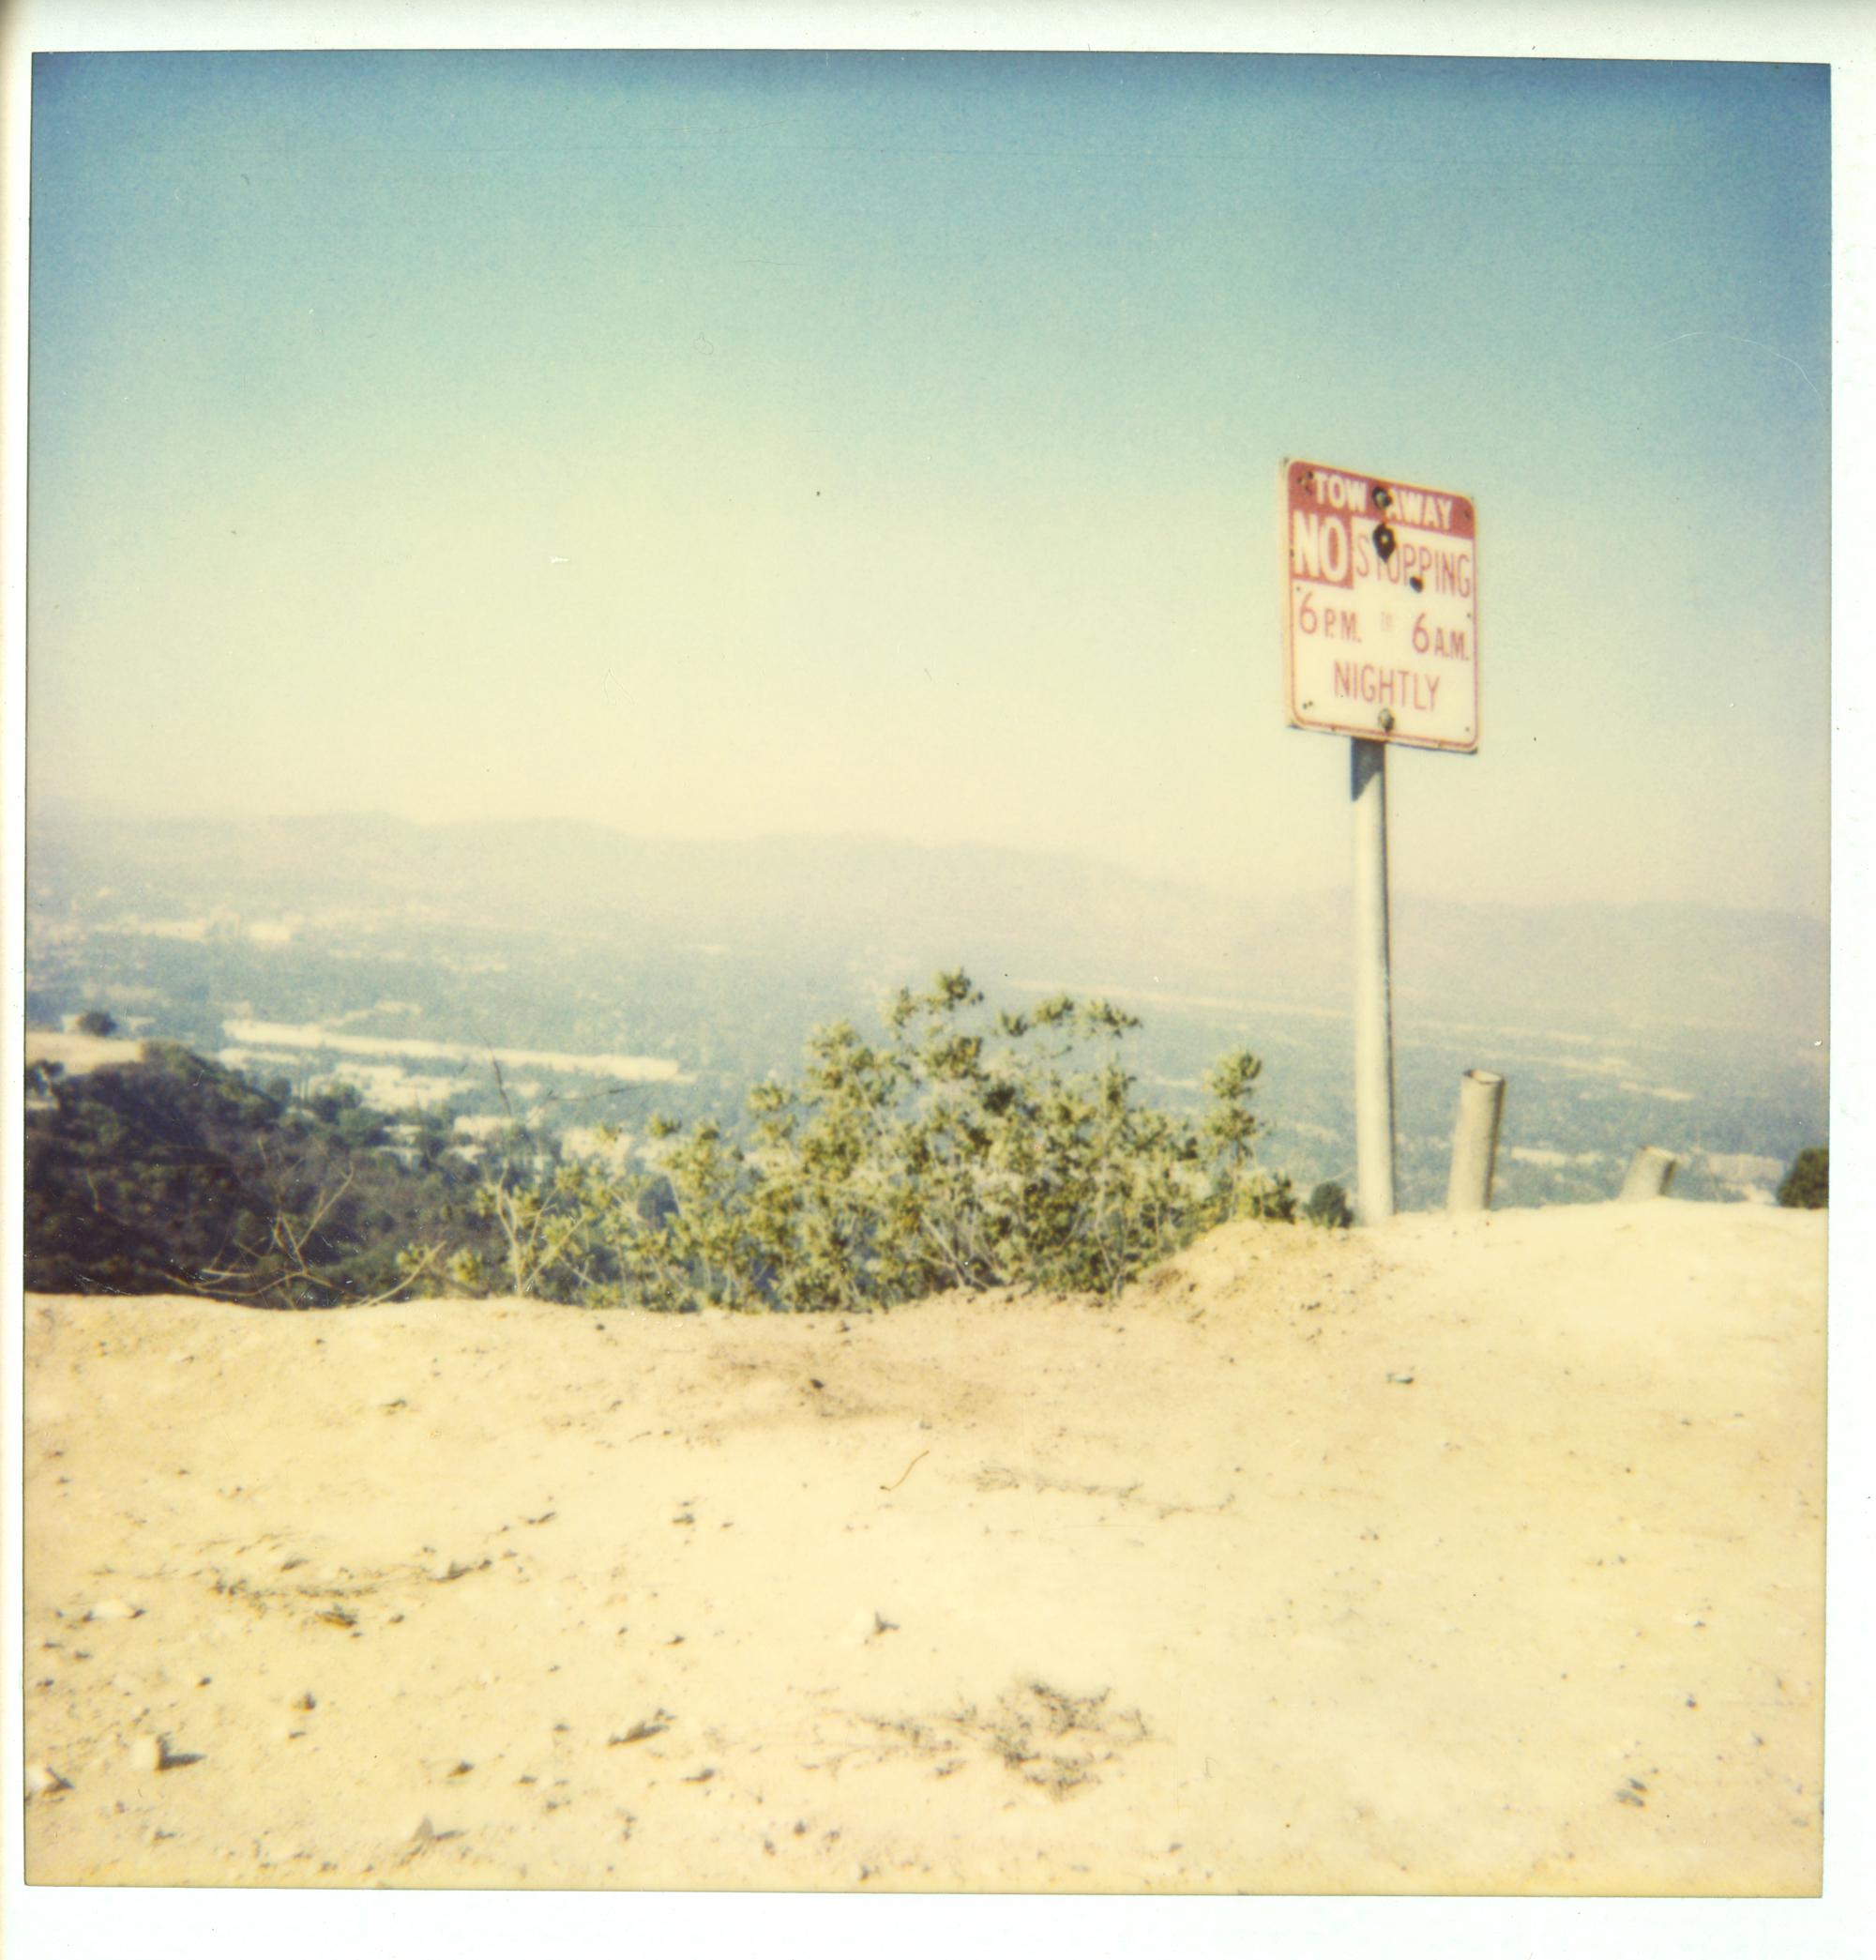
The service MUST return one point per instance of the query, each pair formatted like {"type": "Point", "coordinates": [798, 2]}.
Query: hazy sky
{"type": "Point", "coordinates": [719, 444]}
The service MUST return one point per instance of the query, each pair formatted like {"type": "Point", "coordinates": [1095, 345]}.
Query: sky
{"type": "Point", "coordinates": [721, 444]}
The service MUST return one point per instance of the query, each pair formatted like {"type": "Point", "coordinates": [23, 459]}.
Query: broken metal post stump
{"type": "Point", "coordinates": [1651, 1170]}
{"type": "Point", "coordinates": [1476, 1141]}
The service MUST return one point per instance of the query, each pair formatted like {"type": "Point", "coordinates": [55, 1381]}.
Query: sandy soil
{"type": "Point", "coordinates": [1468, 1556]}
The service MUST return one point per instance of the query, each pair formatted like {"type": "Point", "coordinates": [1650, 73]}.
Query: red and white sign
{"type": "Point", "coordinates": [1381, 608]}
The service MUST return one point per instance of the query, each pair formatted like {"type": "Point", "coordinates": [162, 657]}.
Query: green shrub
{"type": "Point", "coordinates": [1806, 1184]}
{"type": "Point", "coordinates": [963, 1150]}
{"type": "Point", "coordinates": [1329, 1206]}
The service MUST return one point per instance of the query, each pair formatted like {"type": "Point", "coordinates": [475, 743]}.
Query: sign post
{"type": "Point", "coordinates": [1381, 644]}
{"type": "Point", "coordinates": [1373, 984]}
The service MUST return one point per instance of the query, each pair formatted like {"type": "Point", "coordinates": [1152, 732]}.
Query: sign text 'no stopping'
{"type": "Point", "coordinates": [1381, 608]}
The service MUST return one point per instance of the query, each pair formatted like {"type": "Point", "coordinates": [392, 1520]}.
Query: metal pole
{"type": "Point", "coordinates": [1476, 1141]}
{"type": "Point", "coordinates": [1651, 1170]}
{"type": "Point", "coordinates": [1374, 1010]}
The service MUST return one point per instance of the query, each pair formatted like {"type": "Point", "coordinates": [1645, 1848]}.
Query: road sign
{"type": "Point", "coordinates": [1381, 608]}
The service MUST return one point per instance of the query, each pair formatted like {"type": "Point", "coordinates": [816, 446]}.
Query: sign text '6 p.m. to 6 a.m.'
{"type": "Point", "coordinates": [1381, 608]}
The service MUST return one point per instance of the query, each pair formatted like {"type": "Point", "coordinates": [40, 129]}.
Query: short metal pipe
{"type": "Point", "coordinates": [1651, 1170]}
{"type": "Point", "coordinates": [1476, 1141]}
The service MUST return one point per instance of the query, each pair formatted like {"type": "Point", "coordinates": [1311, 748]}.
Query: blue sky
{"type": "Point", "coordinates": [717, 443]}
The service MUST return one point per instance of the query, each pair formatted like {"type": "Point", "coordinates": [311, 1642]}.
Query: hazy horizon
{"type": "Point", "coordinates": [727, 445]}
{"type": "Point", "coordinates": [52, 814]}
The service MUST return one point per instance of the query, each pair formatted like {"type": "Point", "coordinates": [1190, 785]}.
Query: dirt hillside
{"type": "Point", "coordinates": [1469, 1555]}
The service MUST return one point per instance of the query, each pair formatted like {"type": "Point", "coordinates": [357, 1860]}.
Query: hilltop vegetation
{"type": "Point", "coordinates": [963, 1150]}
{"type": "Point", "coordinates": [1806, 1184]}
{"type": "Point", "coordinates": [174, 1174]}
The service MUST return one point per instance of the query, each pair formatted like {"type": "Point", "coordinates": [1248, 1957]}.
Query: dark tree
{"type": "Point", "coordinates": [175, 1175]}
{"type": "Point", "coordinates": [1807, 1185]}
{"type": "Point", "coordinates": [1328, 1206]}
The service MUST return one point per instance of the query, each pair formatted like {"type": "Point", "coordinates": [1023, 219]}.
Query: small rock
{"type": "Point", "coordinates": [41, 1777]}
{"type": "Point", "coordinates": [653, 1724]}
{"type": "Point", "coordinates": [154, 1752]}
{"type": "Point", "coordinates": [115, 1609]}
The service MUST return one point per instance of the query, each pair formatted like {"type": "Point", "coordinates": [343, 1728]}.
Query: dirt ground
{"type": "Point", "coordinates": [1468, 1556]}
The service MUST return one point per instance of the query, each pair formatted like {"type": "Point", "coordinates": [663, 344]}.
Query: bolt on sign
{"type": "Point", "coordinates": [1381, 608]}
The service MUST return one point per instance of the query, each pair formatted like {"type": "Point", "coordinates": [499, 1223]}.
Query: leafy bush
{"type": "Point", "coordinates": [1806, 1184]}
{"type": "Point", "coordinates": [1329, 1206]}
{"type": "Point", "coordinates": [961, 1151]}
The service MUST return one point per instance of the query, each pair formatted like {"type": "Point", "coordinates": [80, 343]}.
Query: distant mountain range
{"type": "Point", "coordinates": [882, 906]}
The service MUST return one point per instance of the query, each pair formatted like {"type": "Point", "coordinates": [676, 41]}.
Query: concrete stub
{"type": "Point", "coordinates": [1476, 1141]}
{"type": "Point", "coordinates": [1651, 1170]}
